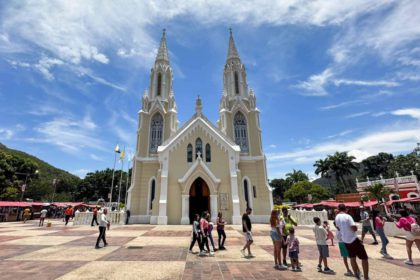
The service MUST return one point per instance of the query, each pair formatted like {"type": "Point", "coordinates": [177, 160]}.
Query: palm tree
{"type": "Point", "coordinates": [342, 165]}
{"type": "Point", "coordinates": [296, 176]}
{"type": "Point", "coordinates": [378, 191]}
{"type": "Point", "coordinates": [323, 168]}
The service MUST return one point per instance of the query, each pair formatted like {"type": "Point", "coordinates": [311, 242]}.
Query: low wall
{"type": "Point", "coordinates": [85, 218]}
{"type": "Point", "coordinates": [304, 217]}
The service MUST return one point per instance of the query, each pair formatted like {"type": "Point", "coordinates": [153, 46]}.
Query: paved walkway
{"type": "Point", "coordinates": [160, 252]}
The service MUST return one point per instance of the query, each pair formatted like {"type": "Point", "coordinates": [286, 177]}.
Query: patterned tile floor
{"type": "Point", "coordinates": [161, 252]}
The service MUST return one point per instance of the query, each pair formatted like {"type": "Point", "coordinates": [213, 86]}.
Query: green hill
{"type": "Point", "coordinates": [40, 186]}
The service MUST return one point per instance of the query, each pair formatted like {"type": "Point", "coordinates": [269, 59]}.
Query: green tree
{"type": "Point", "coordinates": [299, 192]}
{"type": "Point", "coordinates": [404, 164]}
{"type": "Point", "coordinates": [296, 176]}
{"type": "Point", "coordinates": [378, 191]}
{"type": "Point", "coordinates": [279, 186]}
{"type": "Point", "coordinates": [341, 164]}
{"type": "Point", "coordinates": [376, 165]}
{"type": "Point", "coordinates": [323, 169]}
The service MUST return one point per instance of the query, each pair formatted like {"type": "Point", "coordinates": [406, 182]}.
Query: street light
{"type": "Point", "coordinates": [23, 187]}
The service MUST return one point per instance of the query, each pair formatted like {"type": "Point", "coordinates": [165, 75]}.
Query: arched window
{"type": "Point", "coordinates": [198, 148]}
{"type": "Point", "coordinates": [189, 153]}
{"type": "Point", "coordinates": [159, 84]}
{"type": "Point", "coordinates": [208, 153]}
{"type": "Point", "coordinates": [246, 193]}
{"type": "Point", "coordinates": [241, 135]}
{"type": "Point", "coordinates": [152, 193]}
{"type": "Point", "coordinates": [236, 83]}
{"type": "Point", "coordinates": [156, 131]}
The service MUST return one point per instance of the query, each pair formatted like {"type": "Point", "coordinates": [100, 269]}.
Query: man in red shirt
{"type": "Point", "coordinates": [68, 213]}
{"type": "Point", "coordinates": [95, 216]}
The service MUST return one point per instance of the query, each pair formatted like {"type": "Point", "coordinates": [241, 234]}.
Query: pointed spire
{"type": "Point", "coordinates": [198, 106]}
{"type": "Point", "coordinates": [232, 51]}
{"type": "Point", "coordinates": [163, 50]}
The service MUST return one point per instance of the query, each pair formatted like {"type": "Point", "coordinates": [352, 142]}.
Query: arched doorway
{"type": "Point", "coordinates": [199, 198]}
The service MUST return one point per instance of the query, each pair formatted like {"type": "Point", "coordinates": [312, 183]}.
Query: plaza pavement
{"type": "Point", "coordinates": [161, 252]}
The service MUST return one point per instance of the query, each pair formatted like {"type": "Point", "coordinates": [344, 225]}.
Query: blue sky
{"type": "Point", "coordinates": [328, 75]}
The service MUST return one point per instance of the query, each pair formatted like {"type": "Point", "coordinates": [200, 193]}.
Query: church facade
{"type": "Point", "coordinates": [200, 166]}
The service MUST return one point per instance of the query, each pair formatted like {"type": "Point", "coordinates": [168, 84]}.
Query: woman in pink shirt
{"type": "Point", "coordinates": [379, 227]}
{"type": "Point", "coordinates": [405, 223]}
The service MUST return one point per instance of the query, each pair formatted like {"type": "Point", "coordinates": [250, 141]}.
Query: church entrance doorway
{"type": "Point", "coordinates": [199, 198]}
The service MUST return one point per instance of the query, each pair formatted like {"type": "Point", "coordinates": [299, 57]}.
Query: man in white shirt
{"type": "Point", "coordinates": [42, 217]}
{"type": "Point", "coordinates": [355, 248]}
{"type": "Point", "coordinates": [103, 224]}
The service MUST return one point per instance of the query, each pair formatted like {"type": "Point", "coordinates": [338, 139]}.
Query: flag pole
{"type": "Point", "coordinates": [116, 151]}
{"type": "Point", "coordinates": [126, 183]}
{"type": "Point", "coordinates": [121, 175]}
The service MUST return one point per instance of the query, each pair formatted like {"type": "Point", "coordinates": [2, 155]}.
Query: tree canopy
{"type": "Point", "coordinates": [299, 192]}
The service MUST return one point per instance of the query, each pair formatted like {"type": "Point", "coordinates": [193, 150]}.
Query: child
{"type": "Point", "coordinates": [210, 236]}
{"type": "Point", "coordinates": [343, 252]}
{"type": "Point", "coordinates": [321, 241]}
{"type": "Point", "coordinates": [330, 234]}
{"type": "Point", "coordinates": [293, 244]}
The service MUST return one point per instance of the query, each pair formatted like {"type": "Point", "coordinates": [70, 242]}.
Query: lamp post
{"type": "Point", "coordinates": [116, 151]}
{"type": "Point", "coordinates": [27, 175]}
{"type": "Point", "coordinates": [54, 182]}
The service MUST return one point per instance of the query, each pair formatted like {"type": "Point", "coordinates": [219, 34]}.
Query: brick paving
{"type": "Point", "coordinates": [161, 252]}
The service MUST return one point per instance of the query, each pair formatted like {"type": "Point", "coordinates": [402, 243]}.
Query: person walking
{"type": "Point", "coordinates": [321, 242]}
{"type": "Point", "coordinates": [26, 214]}
{"type": "Point", "coordinates": [366, 226]}
{"type": "Point", "coordinates": [221, 231]}
{"type": "Point", "coordinates": [343, 252]}
{"type": "Point", "coordinates": [346, 225]}
{"type": "Point", "coordinates": [407, 223]}
{"type": "Point", "coordinates": [246, 228]}
{"type": "Point", "coordinates": [127, 216]}
{"type": "Point", "coordinates": [103, 225]}
{"type": "Point", "coordinates": [95, 216]}
{"type": "Point", "coordinates": [44, 212]}
{"type": "Point", "coordinates": [293, 244]}
{"type": "Point", "coordinates": [196, 233]}
{"type": "Point", "coordinates": [210, 234]}
{"type": "Point", "coordinates": [379, 227]}
{"type": "Point", "coordinates": [289, 222]}
{"type": "Point", "coordinates": [204, 227]}
{"type": "Point", "coordinates": [68, 214]}
{"type": "Point", "coordinates": [276, 237]}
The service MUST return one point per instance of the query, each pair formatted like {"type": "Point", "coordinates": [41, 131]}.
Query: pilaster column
{"type": "Point", "coordinates": [185, 220]}
{"type": "Point", "coordinates": [213, 207]}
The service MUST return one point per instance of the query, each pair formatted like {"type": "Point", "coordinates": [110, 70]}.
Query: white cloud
{"type": "Point", "coordinates": [339, 82]}
{"type": "Point", "coordinates": [95, 157]}
{"type": "Point", "coordinates": [6, 134]}
{"type": "Point", "coordinates": [411, 112]}
{"type": "Point", "coordinates": [356, 115]}
{"type": "Point", "coordinates": [392, 140]}
{"type": "Point", "coordinates": [339, 105]}
{"type": "Point", "coordinates": [272, 146]}
{"type": "Point", "coordinates": [315, 84]}
{"type": "Point", "coordinates": [340, 134]}
{"type": "Point", "coordinates": [81, 172]}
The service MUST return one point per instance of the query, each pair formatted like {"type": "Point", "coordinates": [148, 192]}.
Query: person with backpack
{"type": "Point", "coordinates": [412, 233]}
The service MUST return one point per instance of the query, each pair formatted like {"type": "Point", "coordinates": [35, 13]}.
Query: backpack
{"type": "Point", "coordinates": [415, 229]}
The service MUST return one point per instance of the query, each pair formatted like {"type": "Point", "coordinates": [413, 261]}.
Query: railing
{"type": "Point", "coordinates": [304, 217]}
{"type": "Point", "coordinates": [85, 218]}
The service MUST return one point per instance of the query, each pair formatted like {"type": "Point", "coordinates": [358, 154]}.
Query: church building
{"type": "Point", "coordinates": [200, 166]}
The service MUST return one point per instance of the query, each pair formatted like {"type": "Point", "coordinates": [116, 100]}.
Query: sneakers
{"type": "Point", "coordinates": [243, 252]}
{"type": "Point", "coordinates": [386, 256]}
{"type": "Point", "coordinates": [409, 262]}
{"type": "Point", "coordinates": [190, 251]}
{"type": "Point", "coordinates": [281, 267]}
{"type": "Point", "coordinates": [202, 254]}
{"type": "Point", "coordinates": [97, 247]}
{"type": "Point", "coordinates": [297, 269]}
{"type": "Point", "coordinates": [349, 273]}
{"type": "Point", "coordinates": [375, 243]}
{"type": "Point", "coordinates": [251, 255]}
{"type": "Point", "coordinates": [319, 268]}
{"type": "Point", "coordinates": [285, 263]}
{"type": "Point", "coordinates": [328, 270]}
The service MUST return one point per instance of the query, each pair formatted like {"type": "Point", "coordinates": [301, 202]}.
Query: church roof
{"type": "Point", "coordinates": [199, 118]}
{"type": "Point", "coordinates": [163, 49]}
{"type": "Point", "coordinates": [232, 51]}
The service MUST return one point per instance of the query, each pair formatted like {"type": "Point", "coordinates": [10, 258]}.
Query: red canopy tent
{"type": "Point", "coordinates": [402, 200]}
{"type": "Point", "coordinates": [14, 204]}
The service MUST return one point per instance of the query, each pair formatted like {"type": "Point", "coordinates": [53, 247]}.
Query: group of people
{"type": "Point", "coordinates": [202, 233]}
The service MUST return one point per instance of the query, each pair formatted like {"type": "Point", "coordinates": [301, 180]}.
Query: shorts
{"type": "Point", "coordinates": [366, 229]}
{"type": "Point", "coordinates": [323, 251]}
{"type": "Point", "coordinates": [356, 249]}
{"type": "Point", "coordinates": [248, 236]}
{"type": "Point", "coordinates": [410, 237]}
{"type": "Point", "coordinates": [294, 255]}
{"type": "Point", "coordinates": [343, 249]}
{"type": "Point", "coordinates": [275, 236]}
{"type": "Point", "coordinates": [284, 245]}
